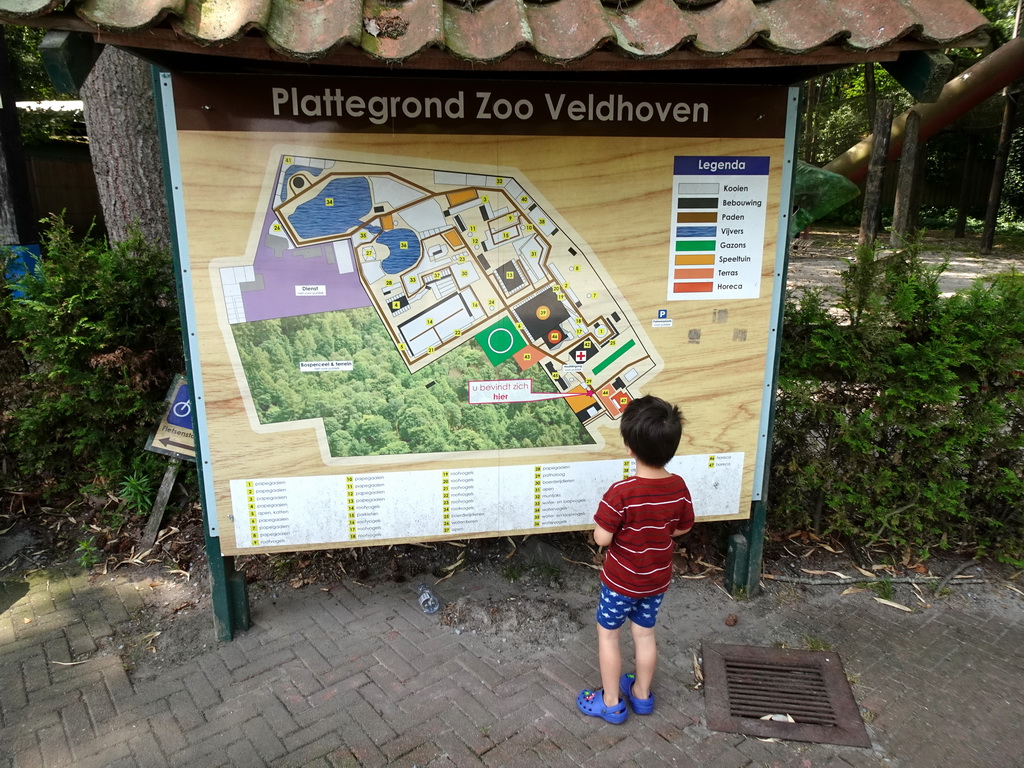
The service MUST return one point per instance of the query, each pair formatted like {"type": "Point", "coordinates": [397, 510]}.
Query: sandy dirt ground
{"type": "Point", "coordinates": [818, 258]}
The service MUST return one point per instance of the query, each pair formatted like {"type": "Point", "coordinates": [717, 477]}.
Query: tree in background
{"type": "Point", "coordinates": [30, 82]}
{"type": "Point", "coordinates": [838, 110]}
{"type": "Point", "coordinates": [1001, 14]}
{"type": "Point", "coordinates": [15, 219]}
{"type": "Point", "coordinates": [120, 121]}
{"type": "Point", "coordinates": [125, 146]}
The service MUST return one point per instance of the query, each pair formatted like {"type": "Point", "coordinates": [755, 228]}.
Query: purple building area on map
{"type": "Point", "coordinates": [282, 273]}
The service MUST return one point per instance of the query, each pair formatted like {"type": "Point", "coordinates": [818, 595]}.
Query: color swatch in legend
{"type": "Point", "coordinates": [717, 227]}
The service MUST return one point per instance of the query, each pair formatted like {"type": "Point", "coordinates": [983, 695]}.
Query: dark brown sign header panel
{"type": "Point", "coordinates": [391, 105]}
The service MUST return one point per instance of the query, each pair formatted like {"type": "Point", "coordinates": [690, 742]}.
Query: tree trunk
{"type": "Point", "coordinates": [870, 92]}
{"type": "Point", "coordinates": [811, 90]}
{"type": "Point", "coordinates": [988, 232]}
{"type": "Point", "coordinates": [995, 192]}
{"type": "Point", "coordinates": [871, 213]}
{"type": "Point", "coordinates": [903, 211]}
{"type": "Point", "coordinates": [125, 146]}
{"type": "Point", "coordinates": [963, 201]}
{"type": "Point", "coordinates": [15, 206]}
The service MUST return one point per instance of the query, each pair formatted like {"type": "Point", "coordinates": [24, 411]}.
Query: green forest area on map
{"type": "Point", "coordinates": [423, 412]}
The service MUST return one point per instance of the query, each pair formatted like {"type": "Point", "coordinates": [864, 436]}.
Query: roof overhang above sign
{"type": "Point", "coordinates": [768, 41]}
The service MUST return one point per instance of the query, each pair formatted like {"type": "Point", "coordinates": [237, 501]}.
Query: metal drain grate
{"type": "Point", "coordinates": [744, 683]}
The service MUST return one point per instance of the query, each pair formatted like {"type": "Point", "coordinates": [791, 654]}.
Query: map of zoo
{"type": "Point", "coordinates": [445, 290]}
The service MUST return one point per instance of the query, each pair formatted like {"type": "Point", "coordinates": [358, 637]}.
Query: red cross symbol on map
{"type": "Point", "coordinates": [581, 356]}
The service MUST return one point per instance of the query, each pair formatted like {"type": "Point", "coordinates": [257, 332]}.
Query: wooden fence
{"type": "Point", "coordinates": [930, 193]}
{"type": "Point", "coordinates": [60, 180]}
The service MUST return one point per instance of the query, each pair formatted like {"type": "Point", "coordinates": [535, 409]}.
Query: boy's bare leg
{"type": "Point", "coordinates": [609, 658]}
{"type": "Point", "coordinates": [646, 659]}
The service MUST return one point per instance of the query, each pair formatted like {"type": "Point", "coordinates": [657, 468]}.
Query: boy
{"type": "Point", "coordinates": [636, 520]}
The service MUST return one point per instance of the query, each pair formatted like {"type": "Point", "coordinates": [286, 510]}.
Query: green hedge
{"type": "Point", "coordinates": [900, 413]}
{"type": "Point", "coordinates": [98, 337]}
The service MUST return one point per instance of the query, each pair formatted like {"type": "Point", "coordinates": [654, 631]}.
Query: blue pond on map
{"type": "Point", "coordinates": [401, 258]}
{"type": "Point", "coordinates": [351, 200]}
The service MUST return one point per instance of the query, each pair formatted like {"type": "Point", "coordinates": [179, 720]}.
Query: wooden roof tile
{"type": "Point", "coordinates": [568, 29]}
{"type": "Point", "coordinates": [488, 33]}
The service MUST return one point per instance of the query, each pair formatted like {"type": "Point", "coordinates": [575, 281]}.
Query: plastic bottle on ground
{"type": "Point", "coordinates": [428, 600]}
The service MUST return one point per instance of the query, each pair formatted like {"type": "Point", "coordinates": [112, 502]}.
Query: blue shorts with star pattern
{"type": "Point", "coordinates": [613, 609]}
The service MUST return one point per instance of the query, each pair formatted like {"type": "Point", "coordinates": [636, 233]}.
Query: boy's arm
{"type": "Point", "coordinates": [602, 537]}
{"type": "Point", "coordinates": [686, 519]}
{"type": "Point", "coordinates": [608, 518]}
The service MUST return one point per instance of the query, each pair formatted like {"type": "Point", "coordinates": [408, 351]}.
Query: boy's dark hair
{"type": "Point", "coordinates": [651, 429]}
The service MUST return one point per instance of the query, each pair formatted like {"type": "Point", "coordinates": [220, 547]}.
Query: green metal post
{"type": "Point", "coordinates": [228, 588]}
{"type": "Point", "coordinates": [755, 526]}
{"type": "Point", "coordinates": [746, 545]}
{"type": "Point", "coordinates": [736, 563]}
{"type": "Point", "coordinates": [229, 593]}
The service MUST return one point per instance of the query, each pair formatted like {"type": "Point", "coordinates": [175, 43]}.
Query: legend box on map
{"type": "Point", "coordinates": [718, 220]}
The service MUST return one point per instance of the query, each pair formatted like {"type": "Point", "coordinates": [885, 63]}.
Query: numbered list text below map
{"type": "Point", "coordinates": [718, 217]}
{"type": "Point", "coordinates": [312, 511]}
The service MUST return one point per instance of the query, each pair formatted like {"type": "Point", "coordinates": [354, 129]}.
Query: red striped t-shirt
{"type": "Point", "coordinates": [642, 513]}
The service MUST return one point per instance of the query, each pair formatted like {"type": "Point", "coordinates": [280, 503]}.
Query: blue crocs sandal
{"type": "Point", "coordinates": [592, 703]}
{"type": "Point", "coordinates": [640, 706]}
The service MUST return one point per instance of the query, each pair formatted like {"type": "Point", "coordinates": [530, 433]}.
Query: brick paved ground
{"type": "Point", "coordinates": [358, 676]}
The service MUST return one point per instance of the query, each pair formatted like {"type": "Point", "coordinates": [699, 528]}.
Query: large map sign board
{"type": "Point", "coordinates": [418, 308]}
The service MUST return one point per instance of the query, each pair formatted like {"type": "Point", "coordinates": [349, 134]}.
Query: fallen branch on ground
{"type": "Point", "coordinates": [865, 580]}
{"type": "Point", "coordinates": [953, 574]}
